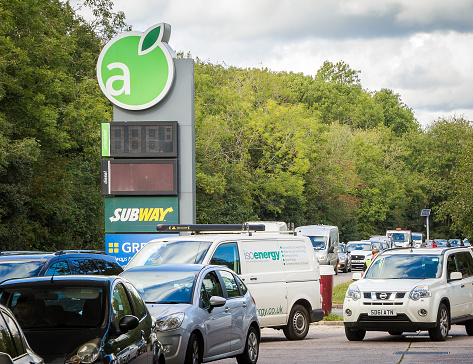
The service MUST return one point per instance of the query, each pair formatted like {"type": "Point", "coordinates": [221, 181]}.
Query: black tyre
{"type": "Point", "coordinates": [349, 269]}
{"type": "Point", "coordinates": [469, 327]}
{"type": "Point", "coordinates": [250, 355]}
{"type": "Point", "coordinates": [345, 269]}
{"type": "Point", "coordinates": [193, 351]}
{"type": "Point", "coordinates": [354, 334]}
{"type": "Point", "coordinates": [440, 331]}
{"type": "Point", "coordinates": [298, 324]}
{"type": "Point", "coordinates": [395, 333]}
{"type": "Point", "coordinates": [336, 268]}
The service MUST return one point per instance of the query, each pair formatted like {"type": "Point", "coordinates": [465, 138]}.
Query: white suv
{"type": "Point", "coordinates": [406, 290]}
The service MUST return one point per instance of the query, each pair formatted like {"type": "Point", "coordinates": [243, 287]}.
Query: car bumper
{"type": "Point", "coordinates": [407, 318]}
{"type": "Point", "coordinates": [174, 345]}
{"type": "Point", "coordinates": [316, 315]}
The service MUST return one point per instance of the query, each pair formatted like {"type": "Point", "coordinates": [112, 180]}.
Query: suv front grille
{"type": "Point", "coordinates": [358, 257]}
{"type": "Point", "coordinates": [383, 298]}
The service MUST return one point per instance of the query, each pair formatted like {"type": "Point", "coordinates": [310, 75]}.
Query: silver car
{"type": "Point", "coordinates": [203, 312]}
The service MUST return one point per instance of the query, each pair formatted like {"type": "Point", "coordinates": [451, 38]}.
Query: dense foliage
{"type": "Point", "coordinates": [269, 145]}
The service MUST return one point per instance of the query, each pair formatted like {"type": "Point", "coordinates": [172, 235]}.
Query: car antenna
{"type": "Point", "coordinates": [54, 272]}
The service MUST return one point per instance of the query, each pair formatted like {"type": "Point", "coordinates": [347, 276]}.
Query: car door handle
{"type": "Point", "coordinates": [253, 279]}
{"type": "Point", "coordinates": [462, 286]}
{"type": "Point", "coordinates": [244, 305]}
{"type": "Point", "coordinates": [227, 309]}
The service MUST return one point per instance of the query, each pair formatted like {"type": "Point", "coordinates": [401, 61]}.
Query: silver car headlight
{"type": "Point", "coordinates": [87, 353]}
{"type": "Point", "coordinates": [353, 292]}
{"type": "Point", "coordinates": [321, 256]}
{"type": "Point", "coordinates": [420, 292]}
{"type": "Point", "coordinates": [170, 322]}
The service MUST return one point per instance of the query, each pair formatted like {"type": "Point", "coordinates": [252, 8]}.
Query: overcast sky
{"type": "Point", "coordinates": [420, 49]}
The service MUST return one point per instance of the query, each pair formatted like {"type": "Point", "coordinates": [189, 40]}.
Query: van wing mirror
{"type": "Point", "coordinates": [455, 276]}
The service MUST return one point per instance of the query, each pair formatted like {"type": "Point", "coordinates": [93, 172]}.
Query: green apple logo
{"type": "Point", "coordinates": [135, 70]}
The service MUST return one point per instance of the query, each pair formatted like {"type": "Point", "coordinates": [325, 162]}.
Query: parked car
{"type": "Point", "coordinates": [279, 269]}
{"type": "Point", "coordinates": [83, 319]}
{"type": "Point", "coordinates": [325, 240]}
{"type": "Point", "coordinates": [380, 245]}
{"type": "Point", "coordinates": [418, 240]}
{"type": "Point", "coordinates": [24, 264]}
{"type": "Point", "coordinates": [406, 290]}
{"type": "Point", "coordinates": [344, 258]}
{"type": "Point", "coordinates": [13, 341]}
{"type": "Point", "coordinates": [441, 243]}
{"type": "Point", "coordinates": [203, 312]}
{"type": "Point", "coordinates": [455, 242]}
{"type": "Point", "coordinates": [387, 239]}
{"type": "Point", "coordinates": [360, 251]}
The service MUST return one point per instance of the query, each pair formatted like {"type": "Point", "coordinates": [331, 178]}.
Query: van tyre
{"type": "Point", "coordinates": [354, 334]}
{"type": "Point", "coordinates": [440, 331]}
{"type": "Point", "coordinates": [469, 327]}
{"type": "Point", "coordinates": [298, 324]}
{"type": "Point", "coordinates": [193, 351]}
{"type": "Point", "coordinates": [251, 352]}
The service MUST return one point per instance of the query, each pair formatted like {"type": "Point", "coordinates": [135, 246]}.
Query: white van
{"type": "Point", "coordinates": [325, 241]}
{"type": "Point", "coordinates": [280, 270]}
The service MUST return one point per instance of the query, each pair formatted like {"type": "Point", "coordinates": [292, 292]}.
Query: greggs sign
{"type": "Point", "coordinates": [139, 214]}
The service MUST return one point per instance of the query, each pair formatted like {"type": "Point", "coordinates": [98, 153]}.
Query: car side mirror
{"type": "Point", "coordinates": [5, 359]}
{"type": "Point", "coordinates": [128, 322]}
{"type": "Point", "coordinates": [217, 301]}
{"type": "Point", "coordinates": [331, 249]}
{"type": "Point", "coordinates": [356, 276]}
{"type": "Point", "coordinates": [455, 276]}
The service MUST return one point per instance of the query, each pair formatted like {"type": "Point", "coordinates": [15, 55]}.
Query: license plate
{"type": "Point", "coordinates": [381, 312]}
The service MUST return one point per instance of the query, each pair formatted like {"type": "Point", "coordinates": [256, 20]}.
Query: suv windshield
{"type": "Point", "coordinates": [359, 246]}
{"type": "Point", "coordinates": [20, 269]}
{"type": "Point", "coordinates": [404, 266]}
{"type": "Point", "coordinates": [318, 242]}
{"type": "Point", "coordinates": [165, 252]}
{"type": "Point", "coordinates": [163, 286]}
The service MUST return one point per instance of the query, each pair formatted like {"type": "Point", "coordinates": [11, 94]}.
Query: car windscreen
{"type": "Point", "coordinates": [341, 248]}
{"type": "Point", "coordinates": [20, 268]}
{"type": "Point", "coordinates": [56, 306]}
{"type": "Point", "coordinates": [170, 252]}
{"type": "Point", "coordinates": [404, 266]}
{"type": "Point", "coordinates": [162, 286]}
{"type": "Point", "coordinates": [359, 246]}
{"type": "Point", "coordinates": [319, 242]}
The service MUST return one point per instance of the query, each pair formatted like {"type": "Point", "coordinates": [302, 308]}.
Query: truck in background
{"type": "Point", "coordinates": [401, 238]}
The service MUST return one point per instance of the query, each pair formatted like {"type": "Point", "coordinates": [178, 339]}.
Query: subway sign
{"type": "Point", "coordinates": [139, 214]}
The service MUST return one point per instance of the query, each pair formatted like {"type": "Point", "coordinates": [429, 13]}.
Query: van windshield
{"type": "Point", "coordinates": [165, 252]}
{"type": "Point", "coordinates": [319, 242]}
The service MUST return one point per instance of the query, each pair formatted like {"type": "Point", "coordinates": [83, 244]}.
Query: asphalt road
{"type": "Point", "coordinates": [328, 344]}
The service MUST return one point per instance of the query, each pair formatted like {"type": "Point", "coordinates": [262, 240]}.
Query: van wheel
{"type": "Point", "coordinates": [440, 331]}
{"type": "Point", "coordinates": [354, 334]}
{"type": "Point", "coordinates": [298, 324]}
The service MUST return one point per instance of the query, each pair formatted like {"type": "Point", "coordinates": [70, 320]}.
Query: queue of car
{"type": "Point", "coordinates": [199, 298]}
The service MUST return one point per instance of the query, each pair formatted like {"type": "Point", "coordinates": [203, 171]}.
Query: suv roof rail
{"type": "Point", "coordinates": [60, 252]}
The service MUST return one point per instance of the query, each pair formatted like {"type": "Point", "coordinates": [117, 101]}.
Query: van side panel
{"type": "Point", "coordinates": [262, 272]}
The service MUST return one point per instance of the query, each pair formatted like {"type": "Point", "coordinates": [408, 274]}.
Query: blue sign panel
{"type": "Point", "coordinates": [124, 246]}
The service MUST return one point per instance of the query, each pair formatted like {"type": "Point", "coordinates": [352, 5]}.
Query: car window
{"type": "Point", "coordinates": [7, 345]}
{"type": "Point", "coordinates": [464, 264]}
{"type": "Point", "coordinates": [58, 268]}
{"type": "Point", "coordinates": [227, 254]}
{"type": "Point", "coordinates": [230, 284]}
{"type": "Point", "coordinates": [16, 334]}
{"type": "Point", "coordinates": [451, 265]}
{"type": "Point", "coordinates": [121, 304]}
{"type": "Point", "coordinates": [242, 285]}
{"type": "Point", "coordinates": [20, 269]}
{"type": "Point", "coordinates": [83, 266]}
{"type": "Point", "coordinates": [210, 287]}
{"type": "Point", "coordinates": [140, 309]}
{"type": "Point", "coordinates": [108, 268]}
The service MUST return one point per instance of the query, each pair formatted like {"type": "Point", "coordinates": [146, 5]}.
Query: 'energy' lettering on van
{"type": "Point", "coordinates": [261, 255]}
{"type": "Point", "coordinates": [148, 214]}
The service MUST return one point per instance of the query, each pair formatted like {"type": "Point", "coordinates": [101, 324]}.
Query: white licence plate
{"type": "Point", "coordinates": [381, 312]}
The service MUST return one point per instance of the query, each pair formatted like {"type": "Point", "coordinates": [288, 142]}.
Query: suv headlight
{"type": "Point", "coordinates": [170, 322]}
{"type": "Point", "coordinates": [353, 292]}
{"type": "Point", "coordinates": [420, 292]}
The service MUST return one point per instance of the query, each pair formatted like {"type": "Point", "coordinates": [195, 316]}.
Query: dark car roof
{"type": "Point", "coordinates": [69, 279]}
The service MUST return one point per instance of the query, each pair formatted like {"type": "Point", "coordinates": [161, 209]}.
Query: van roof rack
{"type": "Point", "coordinates": [197, 228]}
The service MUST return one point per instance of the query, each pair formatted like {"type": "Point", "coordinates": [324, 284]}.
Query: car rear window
{"type": "Point", "coordinates": [20, 269]}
